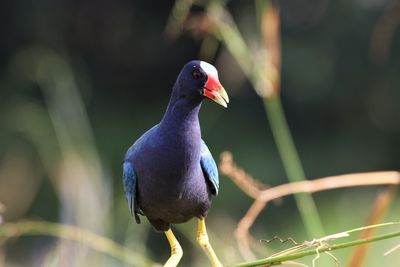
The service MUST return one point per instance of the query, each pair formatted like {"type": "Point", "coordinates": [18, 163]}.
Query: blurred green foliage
{"type": "Point", "coordinates": [81, 80]}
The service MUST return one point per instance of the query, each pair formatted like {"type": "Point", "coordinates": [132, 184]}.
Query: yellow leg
{"type": "Point", "coordinates": [176, 250]}
{"type": "Point", "coordinates": [202, 238]}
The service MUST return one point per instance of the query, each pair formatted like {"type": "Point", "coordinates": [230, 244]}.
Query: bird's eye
{"type": "Point", "coordinates": [197, 74]}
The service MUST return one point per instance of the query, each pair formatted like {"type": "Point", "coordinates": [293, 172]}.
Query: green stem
{"type": "Point", "coordinates": [292, 165]}
{"type": "Point", "coordinates": [92, 240]}
{"type": "Point", "coordinates": [279, 259]}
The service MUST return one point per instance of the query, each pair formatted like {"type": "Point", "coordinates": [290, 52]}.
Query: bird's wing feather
{"type": "Point", "coordinates": [129, 180]}
{"type": "Point", "coordinates": [209, 167]}
{"type": "Point", "coordinates": [130, 176]}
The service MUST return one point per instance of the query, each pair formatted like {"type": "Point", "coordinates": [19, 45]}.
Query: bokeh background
{"type": "Point", "coordinates": [80, 81]}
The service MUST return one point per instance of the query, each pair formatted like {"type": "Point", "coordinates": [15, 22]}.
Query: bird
{"type": "Point", "coordinates": [169, 173]}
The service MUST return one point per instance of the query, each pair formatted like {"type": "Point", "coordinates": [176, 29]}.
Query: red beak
{"type": "Point", "coordinates": [214, 91]}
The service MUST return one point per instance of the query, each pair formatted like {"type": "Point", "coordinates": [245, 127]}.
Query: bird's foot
{"type": "Point", "coordinates": [176, 250]}
{"type": "Point", "coordinates": [202, 239]}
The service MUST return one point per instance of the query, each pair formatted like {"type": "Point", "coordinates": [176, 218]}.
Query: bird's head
{"type": "Point", "coordinates": [199, 80]}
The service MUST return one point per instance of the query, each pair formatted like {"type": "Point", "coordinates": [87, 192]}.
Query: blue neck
{"type": "Point", "coordinates": [182, 115]}
{"type": "Point", "coordinates": [180, 133]}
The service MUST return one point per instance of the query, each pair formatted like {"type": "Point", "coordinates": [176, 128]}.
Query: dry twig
{"type": "Point", "coordinates": [245, 182]}
{"type": "Point", "coordinates": [331, 182]}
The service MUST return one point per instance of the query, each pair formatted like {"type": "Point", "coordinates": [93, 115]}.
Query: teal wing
{"type": "Point", "coordinates": [210, 169]}
{"type": "Point", "coordinates": [130, 179]}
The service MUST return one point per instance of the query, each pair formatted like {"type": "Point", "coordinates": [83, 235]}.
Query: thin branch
{"type": "Point", "coordinates": [92, 240]}
{"type": "Point", "coordinates": [331, 182]}
{"type": "Point", "coordinates": [246, 182]}
{"type": "Point", "coordinates": [242, 230]}
{"type": "Point", "coordinates": [247, 221]}
{"type": "Point", "coordinates": [243, 180]}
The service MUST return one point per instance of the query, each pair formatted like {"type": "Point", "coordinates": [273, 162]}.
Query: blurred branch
{"type": "Point", "coordinates": [310, 186]}
{"type": "Point", "coordinates": [243, 238]}
{"type": "Point", "coordinates": [229, 168]}
{"type": "Point", "coordinates": [332, 182]}
{"type": "Point", "coordinates": [90, 239]}
{"type": "Point", "coordinates": [250, 187]}
{"type": "Point", "coordinates": [381, 205]}
{"type": "Point", "coordinates": [244, 181]}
